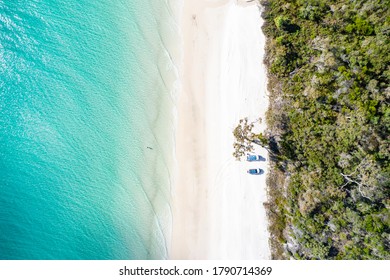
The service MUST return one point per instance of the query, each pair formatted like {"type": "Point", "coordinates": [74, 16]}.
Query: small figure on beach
{"type": "Point", "coordinates": [194, 19]}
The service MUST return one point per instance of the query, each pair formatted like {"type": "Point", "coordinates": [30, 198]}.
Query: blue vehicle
{"type": "Point", "coordinates": [254, 158]}
{"type": "Point", "coordinates": [256, 171]}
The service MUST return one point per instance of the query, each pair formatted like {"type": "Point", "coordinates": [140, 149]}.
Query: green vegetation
{"type": "Point", "coordinates": [245, 138]}
{"type": "Point", "coordinates": [329, 119]}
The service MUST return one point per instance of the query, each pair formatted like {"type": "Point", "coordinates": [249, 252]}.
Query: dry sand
{"type": "Point", "coordinates": [218, 208]}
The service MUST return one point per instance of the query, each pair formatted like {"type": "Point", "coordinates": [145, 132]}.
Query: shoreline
{"type": "Point", "coordinates": [218, 210]}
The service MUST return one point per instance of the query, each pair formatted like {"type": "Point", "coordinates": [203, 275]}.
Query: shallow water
{"type": "Point", "coordinates": [85, 88]}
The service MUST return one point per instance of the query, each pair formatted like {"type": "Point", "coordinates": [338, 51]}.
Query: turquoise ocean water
{"type": "Point", "coordinates": [85, 88]}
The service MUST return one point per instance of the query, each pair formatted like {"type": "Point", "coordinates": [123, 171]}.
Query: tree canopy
{"type": "Point", "coordinates": [329, 120]}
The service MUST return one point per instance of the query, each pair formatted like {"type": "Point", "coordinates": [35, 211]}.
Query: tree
{"type": "Point", "coordinates": [282, 22]}
{"type": "Point", "coordinates": [245, 138]}
{"type": "Point", "coordinates": [368, 179]}
{"type": "Point", "coordinates": [328, 127]}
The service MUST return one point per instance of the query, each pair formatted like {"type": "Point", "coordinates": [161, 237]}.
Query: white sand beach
{"type": "Point", "coordinates": [217, 207]}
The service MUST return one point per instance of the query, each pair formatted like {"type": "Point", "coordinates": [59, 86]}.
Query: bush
{"type": "Point", "coordinates": [329, 121]}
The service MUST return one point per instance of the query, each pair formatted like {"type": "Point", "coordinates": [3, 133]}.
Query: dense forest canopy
{"type": "Point", "coordinates": [329, 119]}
